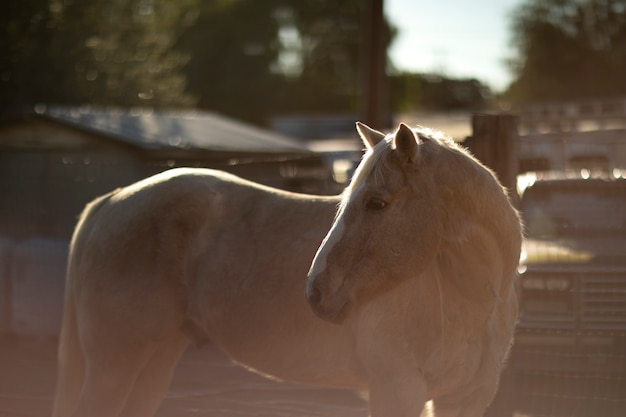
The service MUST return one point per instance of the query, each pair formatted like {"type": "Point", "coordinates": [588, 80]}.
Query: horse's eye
{"type": "Point", "coordinates": [375, 203]}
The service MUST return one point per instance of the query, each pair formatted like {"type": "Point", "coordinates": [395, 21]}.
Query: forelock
{"type": "Point", "coordinates": [374, 162]}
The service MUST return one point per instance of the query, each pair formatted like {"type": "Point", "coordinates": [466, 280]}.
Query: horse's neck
{"type": "Point", "coordinates": [296, 212]}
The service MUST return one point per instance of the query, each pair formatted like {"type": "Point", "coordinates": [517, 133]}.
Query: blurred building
{"type": "Point", "coordinates": [54, 160]}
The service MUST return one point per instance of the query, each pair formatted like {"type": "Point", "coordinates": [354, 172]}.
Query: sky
{"type": "Point", "coordinates": [457, 38]}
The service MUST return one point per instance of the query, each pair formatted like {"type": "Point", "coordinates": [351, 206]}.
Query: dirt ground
{"type": "Point", "coordinates": [206, 383]}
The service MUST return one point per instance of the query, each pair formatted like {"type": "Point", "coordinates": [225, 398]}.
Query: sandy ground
{"type": "Point", "coordinates": [206, 383]}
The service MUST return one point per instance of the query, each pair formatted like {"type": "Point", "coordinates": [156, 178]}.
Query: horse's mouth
{"type": "Point", "coordinates": [328, 305]}
{"type": "Point", "coordinates": [336, 316]}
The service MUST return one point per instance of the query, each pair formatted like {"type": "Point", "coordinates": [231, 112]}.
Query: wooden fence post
{"type": "Point", "coordinates": [374, 53]}
{"type": "Point", "coordinates": [495, 143]}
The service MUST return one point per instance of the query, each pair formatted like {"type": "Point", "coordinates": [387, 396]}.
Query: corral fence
{"type": "Point", "coordinates": [569, 360]}
{"type": "Point", "coordinates": [580, 115]}
{"type": "Point", "coordinates": [582, 135]}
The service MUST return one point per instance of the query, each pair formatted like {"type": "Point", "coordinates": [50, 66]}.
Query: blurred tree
{"type": "Point", "coordinates": [98, 52]}
{"type": "Point", "coordinates": [232, 46]}
{"type": "Point", "coordinates": [256, 59]}
{"type": "Point", "coordinates": [26, 28]}
{"type": "Point", "coordinates": [246, 59]}
{"type": "Point", "coordinates": [568, 49]}
{"type": "Point", "coordinates": [331, 56]}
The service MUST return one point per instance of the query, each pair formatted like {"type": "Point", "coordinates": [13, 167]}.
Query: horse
{"type": "Point", "coordinates": [422, 257]}
{"type": "Point", "coordinates": [402, 285]}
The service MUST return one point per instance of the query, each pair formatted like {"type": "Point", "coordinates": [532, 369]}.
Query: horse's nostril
{"type": "Point", "coordinates": [314, 296]}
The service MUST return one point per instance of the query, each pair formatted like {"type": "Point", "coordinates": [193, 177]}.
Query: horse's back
{"type": "Point", "coordinates": [131, 247]}
{"type": "Point", "coordinates": [179, 199]}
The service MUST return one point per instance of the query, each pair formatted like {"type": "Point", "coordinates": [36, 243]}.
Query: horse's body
{"type": "Point", "coordinates": [192, 255]}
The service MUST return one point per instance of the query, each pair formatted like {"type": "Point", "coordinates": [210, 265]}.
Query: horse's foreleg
{"type": "Point", "coordinates": [152, 383]}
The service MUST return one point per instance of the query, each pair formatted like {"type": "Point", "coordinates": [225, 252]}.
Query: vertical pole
{"type": "Point", "coordinates": [375, 59]}
{"type": "Point", "coordinates": [495, 143]}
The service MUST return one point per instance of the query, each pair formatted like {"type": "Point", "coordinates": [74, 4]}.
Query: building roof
{"type": "Point", "coordinates": [185, 130]}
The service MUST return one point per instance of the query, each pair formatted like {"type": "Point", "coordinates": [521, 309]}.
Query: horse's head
{"type": "Point", "coordinates": [414, 197]}
{"type": "Point", "coordinates": [387, 227]}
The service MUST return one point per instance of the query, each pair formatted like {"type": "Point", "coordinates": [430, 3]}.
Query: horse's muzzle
{"type": "Point", "coordinates": [326, 306]}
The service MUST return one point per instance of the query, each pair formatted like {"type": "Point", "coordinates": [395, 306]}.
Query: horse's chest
{"type": "Point", "coordinates": [453, 365]}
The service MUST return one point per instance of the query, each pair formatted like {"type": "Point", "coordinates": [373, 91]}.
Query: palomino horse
{"type": "Point", "coordinates": [413, 281]}
{"type": "Point", "coordinates": [421, 259]}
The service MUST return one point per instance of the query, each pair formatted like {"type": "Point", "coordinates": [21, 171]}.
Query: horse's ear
{"type": "Point", "coordinates": [406, 143]}
{"type": "Point", "coordinates": [369, 136]}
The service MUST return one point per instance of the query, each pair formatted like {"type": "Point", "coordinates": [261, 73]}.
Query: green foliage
{"type": "Point", "coordinates": [252, 59]}
{"type": "Point", "coordinates": [569, 49]}
{"type": "Point", "coordinates": [97, 51]}
{"type": "Point", "coordinates": [331, 51]}
{"type": "Point", "coordinates": [249, 59]}
{"type": "Point", "coordinates": [232, 45]}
